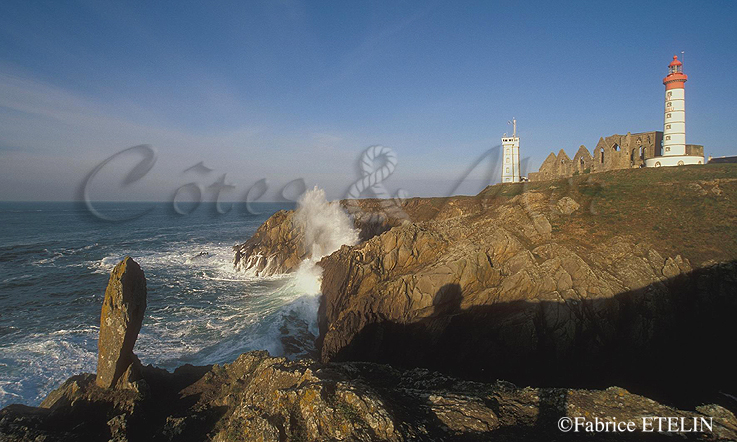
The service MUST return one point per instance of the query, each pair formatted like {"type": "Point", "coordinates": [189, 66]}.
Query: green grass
{"type": "Point", "coordinates": [657, 206]}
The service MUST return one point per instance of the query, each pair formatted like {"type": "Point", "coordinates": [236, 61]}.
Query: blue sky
{"type": "Point", "coordinates": [282, 90]}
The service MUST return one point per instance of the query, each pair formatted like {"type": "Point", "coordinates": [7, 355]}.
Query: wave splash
{"type": "Point", "coordinates": [326, 228]}
{"type": "Point", "coordinates": [201, 310]}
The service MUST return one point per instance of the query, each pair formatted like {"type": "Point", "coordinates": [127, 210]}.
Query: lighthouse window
{"type": "Point", "coordinates": [667, 116]}
{"type": "Point", "coordinates": [509, 159]}
{"type": "Point", "coordinates": [507, 169]}
{"type": "Point", "coordinates": [667, 148]}
{"type": "Point", "coordinates": [670, 94]}
{"type": "Point", "coordinates": [668, 104]}
{"type": "Point", "coordinates": [667, 126]}
{"type": "Point", "coordinates": [667, 137]}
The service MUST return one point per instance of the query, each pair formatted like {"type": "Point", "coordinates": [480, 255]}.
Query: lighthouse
{"type": "Point", "coordinates": [673, 151]}
{"type": "Point", "coordinates": [674, 130]}
{"type": "Point", "coordinates": [510, 162]}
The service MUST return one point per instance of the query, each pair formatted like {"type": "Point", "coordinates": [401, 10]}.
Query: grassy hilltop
{"type": "Point", "coordinates": [688, 210]}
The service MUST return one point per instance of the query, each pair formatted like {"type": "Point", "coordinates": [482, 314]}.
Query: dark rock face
{"type": "Point", "coordinates": [258, 397]}
{"type": "Point", "coordinates": [493, 293]}
{"type": "Point", "coordinates": [120, 322]}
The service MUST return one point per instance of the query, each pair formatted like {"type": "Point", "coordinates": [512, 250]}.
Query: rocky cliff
{"type": "Point", "coordinates": [622, 280]}
{"type": "Point", "coordinates": [592, 281]}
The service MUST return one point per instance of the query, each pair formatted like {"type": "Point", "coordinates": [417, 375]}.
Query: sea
{"type": "Point", "coordinates": [55, 262]}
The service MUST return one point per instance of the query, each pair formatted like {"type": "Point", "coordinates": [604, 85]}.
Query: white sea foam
{"type": "Point", "coordinates": [326, 226]}
{"type": "Point", "coordinates": [42, 363]}
{"type": "Point", "coordinates": [200, 309]}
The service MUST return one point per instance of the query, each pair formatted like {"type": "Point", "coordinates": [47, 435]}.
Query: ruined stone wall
{"type": "Point", "coordinates": [695, 149]}
{"type": "Point", "coordinates": [611, 153]}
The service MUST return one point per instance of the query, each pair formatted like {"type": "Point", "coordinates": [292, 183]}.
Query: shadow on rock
{"type": "Point", "coordinates": [669, 344]}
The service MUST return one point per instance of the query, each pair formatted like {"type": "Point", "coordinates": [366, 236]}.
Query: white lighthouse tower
{"type": "Point", "coordinates": [510, 162]}
{"type": "Point", "coordinates": [674, 131]}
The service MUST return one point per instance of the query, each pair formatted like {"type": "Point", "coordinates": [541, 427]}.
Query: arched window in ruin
{"type": "Point", "coordinates": [615, 148]}
{"type": "Point", "coordinates": [602, 155]}
{"type": "Point", "coordinates": [642, 153]}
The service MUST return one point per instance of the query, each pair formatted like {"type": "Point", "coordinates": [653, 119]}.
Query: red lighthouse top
{"type": "Point", "coordinates": [676, 78]}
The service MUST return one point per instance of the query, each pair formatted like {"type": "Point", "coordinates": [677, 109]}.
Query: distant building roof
{"type": "Point", "coordinates": [723, 160]}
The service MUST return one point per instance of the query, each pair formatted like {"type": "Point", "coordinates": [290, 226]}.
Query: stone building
{"type": "Point", "coordinates": [611, 153]}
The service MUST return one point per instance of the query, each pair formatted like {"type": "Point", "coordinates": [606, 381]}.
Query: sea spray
{"type": "Point", "coordinates": [325, 225]}
{"type": "Point", "coordinates": [326, 228]}
{"type": "Point", "coordinates": [204, 312]}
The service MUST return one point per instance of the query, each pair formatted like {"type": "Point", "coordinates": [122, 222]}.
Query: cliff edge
{"type": "Point", "coordinates": [589, 281]}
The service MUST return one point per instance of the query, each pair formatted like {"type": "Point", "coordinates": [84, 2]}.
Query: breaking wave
{"type": "Point", "coordinates": [200, 309]}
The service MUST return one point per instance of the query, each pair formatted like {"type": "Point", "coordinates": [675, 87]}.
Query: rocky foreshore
{"type": "Point", "coordinates": [262, 398]}
{"type": "Point", "coordinates": [259, 397]}
{"type": "Point", "coordinates": [595, 283]}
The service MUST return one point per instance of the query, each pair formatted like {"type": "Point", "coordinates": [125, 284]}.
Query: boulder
{"type": "Point", "coordinates": [120, 323]}
{"type": "Point", "coordinates": [567, 205]}
{"type": "Point", "coordinates": [276, 247]}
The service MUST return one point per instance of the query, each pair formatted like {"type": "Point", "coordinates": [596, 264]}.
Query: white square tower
{"type": "Point", "coordinates": [510, 157]}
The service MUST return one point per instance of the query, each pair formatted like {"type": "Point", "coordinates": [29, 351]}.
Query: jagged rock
{"type": "Point", "coordinates": [567, 205]}
{"type": "Point", "coordinates": [495, 293]}
{"type": "Point", "coordinates": [65, 394]}
{"type": "Point", "coordinates": [258, 397]}
{"type": "Point", "coordinates": [118, 428]}
{"type": "Point", "coordinates": [528, 286]}
{"type": "Point", "coordinates": [697, 187]}
{"type": "Point", "coordinates": [120, 322]}
{"type": "Point", "coordinates": [276, 247]}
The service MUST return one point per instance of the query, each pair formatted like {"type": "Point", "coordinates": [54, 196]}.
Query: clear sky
{"type": "Point", "coordinates": [282, 90]}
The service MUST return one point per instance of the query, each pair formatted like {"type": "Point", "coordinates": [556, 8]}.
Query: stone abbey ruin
{"type": "Point", "coordinates": [611, 153]}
